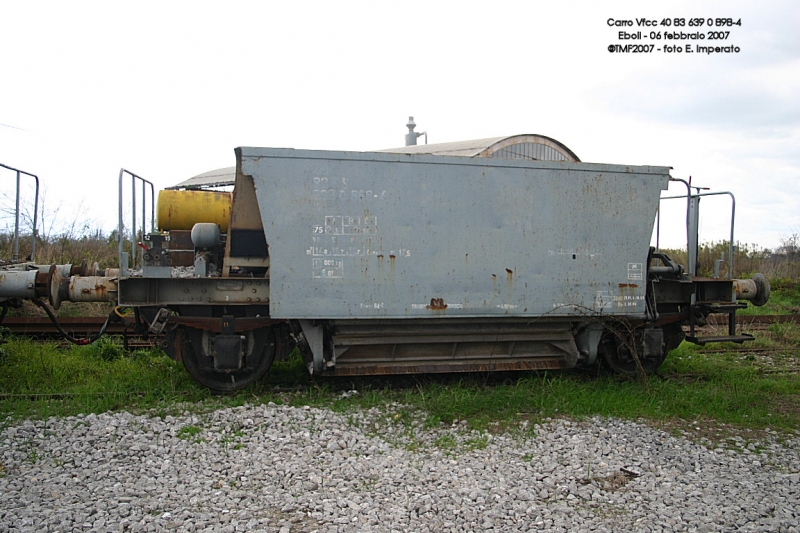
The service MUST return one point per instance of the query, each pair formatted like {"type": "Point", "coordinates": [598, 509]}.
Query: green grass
{"type": "Point", "coordinates": [784, 299]}
{"type": "Point", "coordinates": [42, 380]}
{"type": "Point", "coordinates": [693, 384]}
{"type": "Point", "coordinates": [189, 432]}
{"type": "Point", "coordinates": [745, 390]}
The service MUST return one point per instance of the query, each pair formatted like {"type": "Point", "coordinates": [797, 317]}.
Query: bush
{"type": "Point", "coordinates": [107, 349]}
{"type": "Point", "coordinates": [94, 247]}
{"type": "Point", "coordinates": [747, 260]}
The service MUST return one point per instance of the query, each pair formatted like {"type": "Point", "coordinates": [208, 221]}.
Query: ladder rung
{"type": "Point", "coordinates": [721, 338]}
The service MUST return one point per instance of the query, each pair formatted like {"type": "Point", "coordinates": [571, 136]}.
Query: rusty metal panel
{"type": "Point", "coordinates": [193, 291]}
{"type": "Point", "coordinates": [365, 235]}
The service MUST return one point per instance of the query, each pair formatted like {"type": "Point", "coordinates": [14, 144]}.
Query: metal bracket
{"type": "Point", "coordinates": [313, 335]}
{"type": "Point", "coordinates": [588, 341]}
{"type": "Point", "coordinates": [227, 349]}
{"type": "Point", "coordinates": [160, 321]}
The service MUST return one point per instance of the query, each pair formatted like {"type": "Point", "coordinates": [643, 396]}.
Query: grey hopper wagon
{"type": "Point", "coordinates": [497, 254]}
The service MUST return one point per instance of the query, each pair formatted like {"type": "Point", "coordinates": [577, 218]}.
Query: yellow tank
{"type": "Point", "coordinates": [179, 210]}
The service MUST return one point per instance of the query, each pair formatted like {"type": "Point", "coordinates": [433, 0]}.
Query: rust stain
{"type": "Point", "coordinates": [98, 291]}
{"type": "Point", "coordinates": [628, 286]}
{"type": "Point", "coordinates": [392, 256]}
{"type": "Point", "coordinates": [437, 304]}
{"type": "Point", "coordinates": [380, 256]}
{"type": "Point", "coordinates": [178, 345]}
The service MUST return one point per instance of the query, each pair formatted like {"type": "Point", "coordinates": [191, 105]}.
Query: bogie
{"type": "Point", "coordinates": [222, 364]}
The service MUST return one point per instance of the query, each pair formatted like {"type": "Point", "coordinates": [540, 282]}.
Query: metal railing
{"type": "Point", "coordinates": [123, 258]}
{"type": "Point", "coordinates": [15, 256]}
{"type": "Point", "coordinates": [692, 225]}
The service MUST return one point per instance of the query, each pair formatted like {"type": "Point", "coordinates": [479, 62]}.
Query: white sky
{"type": "Point", "coordinates": [169, 89]}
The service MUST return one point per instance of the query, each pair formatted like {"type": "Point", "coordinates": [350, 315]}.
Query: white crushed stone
{"type": "Point", "coordinates": [282, 469]}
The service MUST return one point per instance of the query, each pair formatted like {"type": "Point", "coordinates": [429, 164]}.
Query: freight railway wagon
{"type": "Point", "coordinates": [411, 262]}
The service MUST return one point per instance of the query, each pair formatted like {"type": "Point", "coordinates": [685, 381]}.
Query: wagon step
{"type": "Point", "coordinates": [726, 307]}
{"type": "Point", "coordinates": [720, 338]}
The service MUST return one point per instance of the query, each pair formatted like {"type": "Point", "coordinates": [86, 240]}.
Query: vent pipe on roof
{"type": "Point", "coordinates": [411, 136]}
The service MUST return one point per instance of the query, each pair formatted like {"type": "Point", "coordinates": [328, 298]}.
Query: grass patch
{"type": "Point", "coordinates": [692, 385]}
{"type": "Point", "coordinates": [42, 380]}
{"type": "Point", "coordinates": [744, 390]}
{"type": "Point", "coordinates": [189, 433]}
{"type": "Point", "coordinates": [780, 303]}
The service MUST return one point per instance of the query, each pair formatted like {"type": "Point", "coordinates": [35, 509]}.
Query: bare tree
{"type": "Point", "coordinates": [790, 246]}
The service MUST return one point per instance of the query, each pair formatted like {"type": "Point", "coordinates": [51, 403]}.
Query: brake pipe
{"type": "Point", "coordinates": [67, 336]}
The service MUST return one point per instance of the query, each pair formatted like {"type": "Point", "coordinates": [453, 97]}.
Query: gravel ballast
{"type": "Point", "coordinates": [283, 469]}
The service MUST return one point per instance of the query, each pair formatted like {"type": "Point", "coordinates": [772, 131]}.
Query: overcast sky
{"type": "Point", "coordinates": [169, 89]}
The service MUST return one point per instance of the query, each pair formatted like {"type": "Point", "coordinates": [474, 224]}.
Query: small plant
{"type": "Point", "coordinates": [189, 433]}
{"type": "Point", "coordinates": [33, 456]}
{"type": "Point", "coordinates": [107, 349]}
{"type": "Point", "coordinates": [433, 421]}
{"type": "Point", "coordinates": [445, 442]}
{"type": "Point", "coordinates": [786, 333]}
{"type": "Point", "coordinates": [477, 443]}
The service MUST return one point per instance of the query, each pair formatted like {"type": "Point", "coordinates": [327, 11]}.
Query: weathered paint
{"type": "Point", "coordinates": [92, 289]}
{"type": "Point", "coordinates": [437, 304]}
{"type": "Point", "coordinates": [214, 325]}
{"type": "Point", "coordinates": [18, 284]}
{"type": "Point", "coordinates": [180, 210]}
{"type": "Point", "coordinates": [193, 291]}
{"type": "Point", "coordinates": [567, 234]}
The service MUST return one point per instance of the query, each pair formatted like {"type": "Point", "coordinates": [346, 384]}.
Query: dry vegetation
{"type": "Point", "coordinates": [781, 264]}
{"type": "Point", "coordinates": [67, 248]}
{"type": "Point", "coordinates": [73, 246]}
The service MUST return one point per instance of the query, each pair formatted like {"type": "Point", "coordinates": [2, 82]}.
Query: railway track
{"type": "Point", "coordinates": [42, 328]}
{"type": "Point", "coordinates": [745, 320]}
{"type": "Point", "coordinates": [85, 327]}
{"type": "Point", "coordinates": [76, 326]}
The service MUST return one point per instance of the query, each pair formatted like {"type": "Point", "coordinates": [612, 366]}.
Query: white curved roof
{"type": "Point", "coordinates": [525, 146]}
{"type": "Point", "coordinates": [214, 178]}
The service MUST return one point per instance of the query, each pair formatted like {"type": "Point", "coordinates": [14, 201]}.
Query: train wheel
{"type": "Point", "coordinates": [619, 355]}
{"type": "Point", "coordinates": [201, 357]}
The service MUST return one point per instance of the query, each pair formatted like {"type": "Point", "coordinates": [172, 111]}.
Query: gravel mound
{"type": "Point", "coordinates": [282, 469]}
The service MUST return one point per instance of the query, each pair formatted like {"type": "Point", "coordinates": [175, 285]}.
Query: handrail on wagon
{"type": "Point", "coordinates": [15, 256]}
{"type": "Point", "coordinates": [123, 263]}
{"type": "Point", "coordinates": [692, 224]}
